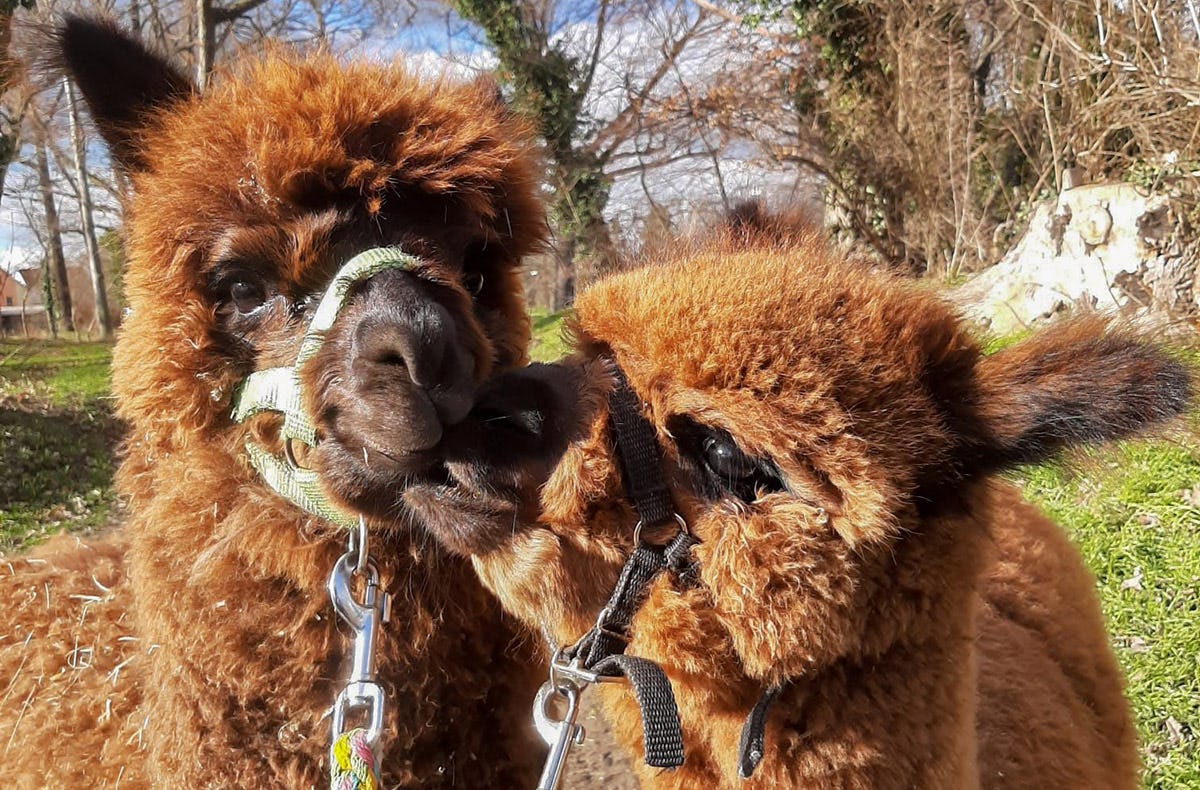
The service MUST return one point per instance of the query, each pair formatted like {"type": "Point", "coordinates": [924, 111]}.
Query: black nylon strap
{"type": "Point", "coordinates": [611, 634]}
{"type": "Point", "coordinates": [662, 736]}
{"type": "Point", "coordinates": [752, 744]}
{"type": "Point", "coordinates": [602, 649]}
{"type": "Point", "coordinates": [641, 462]}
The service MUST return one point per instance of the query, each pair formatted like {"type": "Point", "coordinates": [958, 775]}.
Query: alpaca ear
{"type": "Point", "coordinates": [1078, 382]}
{"type": "Point", "coordinates": [123, 82]}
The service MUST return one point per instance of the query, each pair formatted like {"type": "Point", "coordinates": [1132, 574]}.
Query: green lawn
{"type": "Point", "coordinates": [549, 340]}
{"type": "Point", "coordinates": [57, 437]}
{"type": "Point", "coordinates": [1134, 510]}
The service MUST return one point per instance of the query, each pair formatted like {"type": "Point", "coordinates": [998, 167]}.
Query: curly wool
{"type": "Point", "coordinates": [214, 653]}
{"type": "Point", "coordinates": [929, 628]}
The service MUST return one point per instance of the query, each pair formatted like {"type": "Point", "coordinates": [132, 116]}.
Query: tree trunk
{"type": "Point", "coordinates": [85, 211]}
{"type": "Point", "coordinates": [10, 144]}
{"type": "Point", "coordinates": [55, 259]}
{"type": "Point", "coordinates": [48, 296]}
{"type": "Point", "coordinates": [206, 39]}
{"type": "Point", "coordinates": [585, 245]}
{"type": "Point", "coordinates": [563, 292]}
{"type": "Point", "coordinates": [10, 132]}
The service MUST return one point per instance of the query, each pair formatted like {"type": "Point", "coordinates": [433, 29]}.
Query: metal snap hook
{"type": "Point", "coordinates": [559, 734]}
{"type": "Point", "coordinates": [364, 617]}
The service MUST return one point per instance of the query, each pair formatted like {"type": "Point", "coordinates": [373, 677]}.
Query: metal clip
{"type": "Point", "coordinates": [362, 691]}
{"type": "Point", "coordinates": [559, 734]}
{"type": "Point", "coordinates": [568, 679]}
{"type": "Point", "coordinates": [564, 672]}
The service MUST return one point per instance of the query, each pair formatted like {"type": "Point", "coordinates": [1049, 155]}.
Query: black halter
{"type": "Point", "coordinates": [602, 649]}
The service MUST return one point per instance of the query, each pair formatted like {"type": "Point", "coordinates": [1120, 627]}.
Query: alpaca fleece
{"type": "Point", "coordinates": [927, 627]}
{"type": "Point", "coordinates": [198, 647]}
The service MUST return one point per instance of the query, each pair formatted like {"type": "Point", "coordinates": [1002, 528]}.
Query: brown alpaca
{"type": "Point", "coordinates": [831, 437]}
{"type": "Point", "coordinates": [206, 654]}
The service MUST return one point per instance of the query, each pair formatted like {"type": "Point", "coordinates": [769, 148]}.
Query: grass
{"type": "Point", "coordinates": [68, 372]}
{"type": "Point", "coordinates": [1133, 510]}
{"type": "Point", "coordinates": [57, 437]}
{"type": "Point", "coordinates": [549, 340]}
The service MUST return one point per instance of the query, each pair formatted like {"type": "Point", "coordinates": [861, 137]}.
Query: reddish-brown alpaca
{"type": "Point", "coordinates": [831, 437]}
{"type": "Point", "coordinates": [198, 648]}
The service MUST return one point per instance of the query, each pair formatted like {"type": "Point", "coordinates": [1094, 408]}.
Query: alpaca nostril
{"type": "Point", "coordinates": [393, 359]}
{"type": "Point", "coordinates": [400, 347]}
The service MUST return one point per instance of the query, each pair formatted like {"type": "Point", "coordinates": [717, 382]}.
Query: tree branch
{"type": "Point", "coordinates": [234, 10]}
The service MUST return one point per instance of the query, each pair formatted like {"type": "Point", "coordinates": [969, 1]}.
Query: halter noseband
{"type": "Point", "coordinates": [281, 390]}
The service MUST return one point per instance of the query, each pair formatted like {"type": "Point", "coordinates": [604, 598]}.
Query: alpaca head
{"type": "Point", "coordinates": [813, 417]}
{"type": "Point", "coordinates": [246, 200]}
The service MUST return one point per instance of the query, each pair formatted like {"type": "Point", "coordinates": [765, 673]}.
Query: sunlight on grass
{"type": "Point", "coordinates": [1134, 512]}
{"type": "Point", "coordinates": [66, 371]}
{"type": "Point", "coordinates": [57, 437]}
{"type": "Point", "coordinates": [549, 341]}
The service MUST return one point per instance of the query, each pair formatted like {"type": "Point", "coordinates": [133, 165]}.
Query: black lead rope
{"type": "Point", "coordinates": [602, 650]}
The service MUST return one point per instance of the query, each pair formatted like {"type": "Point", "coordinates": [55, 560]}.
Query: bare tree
{"type": "Point", "coordinates": [604, 84]}
{"type": "Point", "coordinates": [56, 261]}
{"type": "Point", "coordinates": [935, 123]}
{"type": "Point", "coordinates": [208, 16]}
{"type": "Point", "coordinates": [85, 212]}
{"type": "Point", "coordinates": [12, 111]}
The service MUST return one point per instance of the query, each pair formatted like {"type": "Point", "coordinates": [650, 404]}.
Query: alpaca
{"type": "Point", "coordinates": [198, 648]}
{"type": "Point", "coordinates": [831, 436]}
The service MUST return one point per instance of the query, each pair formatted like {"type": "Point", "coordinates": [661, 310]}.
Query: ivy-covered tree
{"type": "Point", "coordinates": [550, 85]}
{"type": "Point", "coordinates": [603, 82]}
{"type": "Point", "coordinates": [938, 121]}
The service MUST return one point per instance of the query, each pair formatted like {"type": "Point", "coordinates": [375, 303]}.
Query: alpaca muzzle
{"type": "Point", "coordinates": [280, 390]}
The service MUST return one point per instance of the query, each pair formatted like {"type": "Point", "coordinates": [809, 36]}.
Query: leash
{"type": "Point", "coordinates": [599, 656]}
{"type": "Point", "coordinates": [353, 763]}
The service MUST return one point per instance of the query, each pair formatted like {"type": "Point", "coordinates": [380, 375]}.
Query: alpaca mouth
{"type": "Point", "coordinates": [471, 499]}
{"type": "Point", "coordinates": [461, 514]}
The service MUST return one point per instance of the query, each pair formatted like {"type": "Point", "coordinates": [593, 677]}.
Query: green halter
{"type": "Point", "coordinates": [279, 390]}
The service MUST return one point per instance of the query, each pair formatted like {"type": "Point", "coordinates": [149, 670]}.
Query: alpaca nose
{"type": "Point", "coordinates": [407, 360]}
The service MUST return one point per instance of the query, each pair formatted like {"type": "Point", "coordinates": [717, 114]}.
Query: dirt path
{"type": "Point", "coordinates": [599, 764]}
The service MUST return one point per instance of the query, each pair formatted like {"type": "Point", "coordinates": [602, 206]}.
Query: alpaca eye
{"type": "Point", "coordinates": [727, 461]}
{"type": "Point", "coordinates": [246, 295]}
{"type": "Point", "coordinates": [473, 282]}
{"type": "Point", "coordinates": [718, 466]}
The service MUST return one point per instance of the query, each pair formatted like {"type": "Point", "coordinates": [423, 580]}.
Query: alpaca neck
{"type": "Point", "coordinates": [899, 712]}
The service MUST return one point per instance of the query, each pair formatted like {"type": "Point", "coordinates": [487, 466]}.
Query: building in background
{"type": "Point", "coordinates": [21, 309]}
